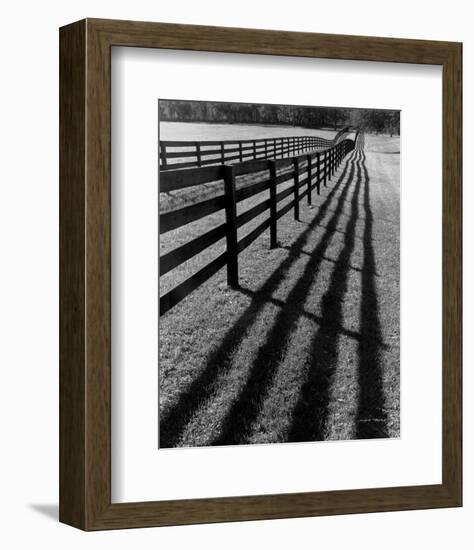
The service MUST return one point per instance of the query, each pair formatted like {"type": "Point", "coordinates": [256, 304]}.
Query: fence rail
{"type": "Point", "coordinates": [307, 172]}
{"type": "Point", "coordinates": [176, 155]}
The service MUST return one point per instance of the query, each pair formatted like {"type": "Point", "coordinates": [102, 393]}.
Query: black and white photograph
{"type": "Point", "coordinates": [279, 273]}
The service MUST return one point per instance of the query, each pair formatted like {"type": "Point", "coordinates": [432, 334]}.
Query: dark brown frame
{"type": "Point", "coordinates": [85, 360]}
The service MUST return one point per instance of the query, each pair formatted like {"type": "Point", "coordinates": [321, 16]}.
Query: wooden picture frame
{"type": "Point", "coordinates": [85, 274]}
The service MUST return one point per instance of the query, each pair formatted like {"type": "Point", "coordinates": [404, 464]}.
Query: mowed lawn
{"type": "Point", "coordinates": [196, 131]}
{"type": "Point", "coordinates": [308, 348]}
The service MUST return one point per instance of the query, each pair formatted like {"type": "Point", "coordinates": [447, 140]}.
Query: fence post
{"type": "Point", "coordinates": [198, 154]}
{"type": "Point", "coordinates": [318, 173]}
{"type": "Point", "coordinates": [296, 188]}
{"type": "Point", "coordinates": [254, 149]}
{"type": "Point", "coordinates": [222, 153]}
{"type": "Point", "coordinates": [240, 151]}
{"type": "Point", "coordinates": [231, 227]}
{"type": "Point", "coordinates": [266, 149]}
{"type": "Point", "coordinates": [309, 178]}
{"type": "Point", "coordinates": [164, 160]}
{"type": "Point", "coordinates": [273, 204]}
{"type": "Point", "coordinates": [325, 167]}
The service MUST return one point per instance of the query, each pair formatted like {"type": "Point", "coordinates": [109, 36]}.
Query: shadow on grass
{"type": "Point", "coordinates": [371, 419]}
{"type": "Point", "coordinates": [309, 422]}
{"type": "Point", "coordinates": [175, 419]}
{"type": "Point", "coordinates": [309, 418]}
{"type": "Point", "coordinates": [310, 414]}
{"type": "Point", "coordinates": [242, 413]}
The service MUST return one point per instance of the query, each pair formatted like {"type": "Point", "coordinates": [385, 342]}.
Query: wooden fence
{"type": "Point", "coordinates": [190, 154]}
{"type": "Point", "coordinates": [306, 172]}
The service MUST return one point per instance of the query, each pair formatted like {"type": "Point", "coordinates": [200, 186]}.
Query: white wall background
{"type": "Point", "coordinates": [29, 279]}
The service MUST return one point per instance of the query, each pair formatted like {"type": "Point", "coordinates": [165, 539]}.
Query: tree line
{"type": "Point", "coordinates": [371, 120]}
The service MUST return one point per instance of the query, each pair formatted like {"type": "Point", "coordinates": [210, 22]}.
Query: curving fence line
{"type": "Point", "coordinates": [307, 172]}
{"type": "Point", "coordinates": [175, 155]}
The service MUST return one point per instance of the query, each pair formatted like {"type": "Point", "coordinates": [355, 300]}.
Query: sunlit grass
{"type": "Point", "coordinates": [272, 344]}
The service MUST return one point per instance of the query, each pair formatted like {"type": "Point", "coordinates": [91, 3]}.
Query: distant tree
{"type": "Point", "coordinates": [372, 120]}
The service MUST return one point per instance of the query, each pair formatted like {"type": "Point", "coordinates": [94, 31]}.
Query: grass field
{"type": "Point", "coordinates": [308, 348]}
{"type": "Point", "coordinates": [190, 131]}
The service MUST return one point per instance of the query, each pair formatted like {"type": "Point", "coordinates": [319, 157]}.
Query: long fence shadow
{"type": "Point", "coordinates": [178, 415]}
{"type": "Point", "coordinates": [371, 419]}
{"type": "Point", "coordinates": [244, 410]}
{"type": "Point", "coordinates": [310, 414]}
